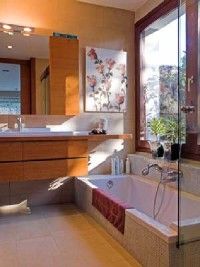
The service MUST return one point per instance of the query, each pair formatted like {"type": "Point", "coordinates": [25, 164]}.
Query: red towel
{"type": "Point", "coordinates": [111, 208]}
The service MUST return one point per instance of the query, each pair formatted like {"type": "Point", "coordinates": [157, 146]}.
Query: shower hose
{"type": "Point", "coordinates": [156, 212]}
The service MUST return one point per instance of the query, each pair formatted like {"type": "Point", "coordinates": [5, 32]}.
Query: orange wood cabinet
{"type": "Point", "coordinates": [64, 76]}
{"type": "Point", "coordinates": [37, 160]}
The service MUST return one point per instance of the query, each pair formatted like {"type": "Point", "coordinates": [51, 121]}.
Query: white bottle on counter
{"type": "Point", "coordinates": [121, 166]}
{"type": "Point", "coordinates": [113, 163]}
{"type": "Point", "coordinates": [128, 166]}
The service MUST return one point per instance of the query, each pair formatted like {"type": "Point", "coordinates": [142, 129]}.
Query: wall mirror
{"type": "Point", "coordinates": [36, 73]}
{"type": "Point", "coordinates": [24, 61]}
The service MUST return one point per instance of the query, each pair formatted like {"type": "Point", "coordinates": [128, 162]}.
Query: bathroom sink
{"type": "Point", "coordinates": [42, 131]}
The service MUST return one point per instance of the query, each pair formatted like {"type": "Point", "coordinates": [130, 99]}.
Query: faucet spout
{"type": "Point", "coordinates": [155, 166]}
{"type": "Point", "coordinates": [19, 123]}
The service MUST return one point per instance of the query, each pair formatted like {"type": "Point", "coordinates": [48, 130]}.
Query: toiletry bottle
{"type": "Point", "coordinates": [121, 166]}
{"type": "Point", "coordinates": [113, 163]}
{"type": "Point", "coordinates": [128, 166]}
{"type": "Point", "coordinates": [117, 163]}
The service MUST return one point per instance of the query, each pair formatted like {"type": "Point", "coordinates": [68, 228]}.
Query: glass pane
{"type": "Point", "coordinates": [188, 223]}
{"type": "Point", "coordinates": [159, 73]}
{"type": "Point", "coordinates": [10, 87]}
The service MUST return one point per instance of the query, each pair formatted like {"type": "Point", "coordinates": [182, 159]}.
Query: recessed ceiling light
{"type": "Point", "coordinates": [26, 34]}
{"type": "Point", "coordinates": [10, 47]}
{"type": "Point", "coordinates": [7, 27]}
{"type": "Point", "coordinates": [27, 29]}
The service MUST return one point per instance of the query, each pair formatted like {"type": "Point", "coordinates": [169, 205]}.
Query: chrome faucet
{"type": "Point", "coordinates": [155, 166]}
{"type": "Point", "coordinates": [19, 123]}
{"type": "Point", "coordinates": [171, 175]}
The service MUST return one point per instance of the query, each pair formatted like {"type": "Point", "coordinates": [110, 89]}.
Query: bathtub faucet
{"type": "Point", "coordinates": [170, 175]}
{"type": "Point", "coordinates": [154, 166]}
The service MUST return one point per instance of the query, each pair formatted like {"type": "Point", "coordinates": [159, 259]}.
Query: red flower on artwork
{"type": "Point", "coordinates": [92, 54]}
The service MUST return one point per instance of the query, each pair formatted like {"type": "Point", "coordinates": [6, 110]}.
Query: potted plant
{"type": "Point", "coordinates": [175, 134]}
{"type": "Point", "coordinates": [157, 128]}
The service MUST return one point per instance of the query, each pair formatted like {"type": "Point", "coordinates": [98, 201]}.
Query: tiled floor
{"type": "Point", "coordinates": [58, 236]}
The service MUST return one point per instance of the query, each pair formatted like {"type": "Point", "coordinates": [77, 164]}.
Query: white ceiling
{"type": "Point", "coordinates": [123, 4]}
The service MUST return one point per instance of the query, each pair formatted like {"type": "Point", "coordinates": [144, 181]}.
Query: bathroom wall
{"type": "Point", "coordinates": [96, 26]}
{"type": "Point", "coordinates": [146, 8]}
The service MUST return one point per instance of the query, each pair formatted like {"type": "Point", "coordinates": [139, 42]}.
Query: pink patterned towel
{"type": "Point", "coordinates": [111, 208]}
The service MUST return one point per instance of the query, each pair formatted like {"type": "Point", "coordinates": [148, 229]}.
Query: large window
{"type": "Point", "coordinates": [157, 68]}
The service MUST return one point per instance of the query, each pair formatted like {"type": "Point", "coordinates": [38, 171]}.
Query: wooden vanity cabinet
{"type": "Point", "coordinates": [37, 160]}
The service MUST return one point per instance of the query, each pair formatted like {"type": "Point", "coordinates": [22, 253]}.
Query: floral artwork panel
{"type": "Point", "coordinates": [106, 80]}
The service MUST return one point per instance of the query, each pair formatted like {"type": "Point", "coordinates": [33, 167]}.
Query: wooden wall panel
{"type": "Point", "coordinates": [64, 76]}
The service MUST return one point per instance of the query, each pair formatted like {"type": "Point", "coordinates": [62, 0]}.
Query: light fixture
{"type": "Point", "coordinates": [9, 32]}
{"type": "Point", "coordinates": [26, 34]}
{"type": "Point", "coordinates": [6, 27]}
{"type": "Point", "coordinates": [10, 47]}
{"type": "Point", "coordinates": [27, 29]}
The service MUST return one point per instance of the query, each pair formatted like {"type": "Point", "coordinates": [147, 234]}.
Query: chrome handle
{"type": "Point", "coordinates": [190, 81]}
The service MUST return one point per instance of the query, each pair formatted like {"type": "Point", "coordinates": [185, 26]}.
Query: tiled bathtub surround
{"type": "Point", "coordinates": [140, 237]}
{"type": "Point", "coordinates": [190, 182]}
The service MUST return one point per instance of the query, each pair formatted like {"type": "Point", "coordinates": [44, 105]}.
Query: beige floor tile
{"type": "Point", "coordinates": [8, 254]}
{"type": "Point", "coordinates": [7, 230]}
{"type": "Point", "coordinates": [59, 236]}
{"type": "Point", "coordinates": [29, 229]}
{"type": "Point", "coordinates": [38, 252]}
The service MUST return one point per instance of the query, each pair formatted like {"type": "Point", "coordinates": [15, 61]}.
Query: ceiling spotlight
{"type": "Point", "coordinates": [27, 29]}
{"type": "Point", "coordinates": [6, 27]}
{"type": "Point", "coordinates": [10, 47]}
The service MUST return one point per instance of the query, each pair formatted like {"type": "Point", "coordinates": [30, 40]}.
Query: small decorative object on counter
{"type": "Point", "coordinates": [97, 131]}
{"type": "Point", "coordinates": [102, 127]}
{"type": "Point", "coordinates": [128, 166]}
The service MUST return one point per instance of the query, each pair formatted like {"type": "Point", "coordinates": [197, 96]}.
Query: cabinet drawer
{"type": "Point", "coordinates": [11, 171]}
{"type": "Point", "coordinates": [52, 169]}
{"type": "Point", "coordinates": [77, 167]}
{"type": "Point", "coordinates": [11, 151]}
{"type": "Point", "coordinates": [47, 169]}
{"type": "Point", "coordinates": [54, 150]}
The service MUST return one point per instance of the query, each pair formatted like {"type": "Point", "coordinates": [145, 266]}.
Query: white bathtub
{"type": "Point", "coordinates": [139, 193]}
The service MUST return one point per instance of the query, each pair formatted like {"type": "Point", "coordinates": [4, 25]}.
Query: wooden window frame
{"type": "Point", "coordinates": [191, 149]}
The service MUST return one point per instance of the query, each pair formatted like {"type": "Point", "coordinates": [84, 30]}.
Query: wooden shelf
{"type": "Point", "coordinates": [23, 137]}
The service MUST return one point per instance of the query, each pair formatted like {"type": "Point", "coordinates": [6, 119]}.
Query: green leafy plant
{"type": "Point", "coordinates": [175, 131]}
{"type": "Point", "coordinates": [157, 127]}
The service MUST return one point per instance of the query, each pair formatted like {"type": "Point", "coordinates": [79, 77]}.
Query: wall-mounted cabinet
{"type": "Point", "coordinates": [64, 76]}
{"type": "Point", "coordinates": [43, 160]}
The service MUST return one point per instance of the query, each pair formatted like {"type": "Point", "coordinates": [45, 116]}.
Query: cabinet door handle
{"type": "Point", "coordinates": [190, 81]}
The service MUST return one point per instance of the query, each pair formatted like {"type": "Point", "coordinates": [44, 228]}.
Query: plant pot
{"type": "Point", "coordinates": [171, 151]}
{"type": "Point", "coordinates": [175, 151]}
{"type": "Point", "coordinates": [157, 150]}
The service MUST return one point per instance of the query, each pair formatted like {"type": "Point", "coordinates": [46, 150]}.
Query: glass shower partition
{"type": "Point", "coordinates": [188, 224]}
